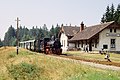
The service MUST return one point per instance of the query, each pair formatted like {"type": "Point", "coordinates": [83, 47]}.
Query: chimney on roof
{"type": "Point", "coordinates": [82, 26]}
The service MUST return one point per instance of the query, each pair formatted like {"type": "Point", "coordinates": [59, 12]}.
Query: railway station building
{"type": "Point", "coordinates": [102, 36]}
{"type": "Point", "coordinates": [66, 33]}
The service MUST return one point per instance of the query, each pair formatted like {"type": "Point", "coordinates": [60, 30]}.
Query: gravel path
{"type": "Point", "coordinates": [89, 63]}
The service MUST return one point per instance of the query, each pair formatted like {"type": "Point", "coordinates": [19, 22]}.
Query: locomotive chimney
{"type": "Point", "coordinates": [81, 27]}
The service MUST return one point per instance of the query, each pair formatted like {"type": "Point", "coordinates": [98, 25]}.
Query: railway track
{"type": "Point", "coordinates": [93, 63]}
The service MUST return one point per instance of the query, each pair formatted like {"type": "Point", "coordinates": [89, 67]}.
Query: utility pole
{"type": "Point", "coordinates": [17, 44]}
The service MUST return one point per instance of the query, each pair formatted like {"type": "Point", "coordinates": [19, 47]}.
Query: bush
{"type": "Point", "coordinates": [25, 71]}
{"type": "Point", "coordinates": [11, 55]}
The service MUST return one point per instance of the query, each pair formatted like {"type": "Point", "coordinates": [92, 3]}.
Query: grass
{"type": "Point", "coordinates": [114, 57]}
{"type": "Point", "coordinates": [25, 71]}
{"type": "Point", "coordinates": [47, 68]}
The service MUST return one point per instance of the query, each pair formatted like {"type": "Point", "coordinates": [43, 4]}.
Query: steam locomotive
{"type": "Point", "coordinates": [46, 45]}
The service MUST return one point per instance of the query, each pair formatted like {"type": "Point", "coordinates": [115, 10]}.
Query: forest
{"type": "Point", "coordinates": [25, 34]}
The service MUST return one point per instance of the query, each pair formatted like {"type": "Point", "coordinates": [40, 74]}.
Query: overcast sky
{"type": "Point", "coordinates": [39, 12]}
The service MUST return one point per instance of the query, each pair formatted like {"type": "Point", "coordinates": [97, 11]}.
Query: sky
{"type": "Point", "coordinates": [50, 12]}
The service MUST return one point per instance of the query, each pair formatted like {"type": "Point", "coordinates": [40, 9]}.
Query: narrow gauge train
{"type": "Point", "coordinates": [45, 45]}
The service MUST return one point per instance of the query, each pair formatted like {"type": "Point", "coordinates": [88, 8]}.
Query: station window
{"type": "Point", "coordinates": [112, 43]}
{"type": "Point", "coordinates": [110, 30]}
{"type": "Point", "coordinates": [105, 46]}
{"type": "Point", "coordinates": [114, 30]}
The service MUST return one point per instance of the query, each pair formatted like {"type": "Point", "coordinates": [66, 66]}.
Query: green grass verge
{"type": "Point", "coordinates": [25, 71]}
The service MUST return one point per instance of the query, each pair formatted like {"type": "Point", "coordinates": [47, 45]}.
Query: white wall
{"type": "Point", "coordinates": [80, 44]}
{"type": "Point", "coordinates": [64, 42]}
{"type": "Point", "coordinates": [71, 45]}
{"type": "Point", "coordinates": [95, 49]}
{"type": "Point", "coordinates": [105, 40]}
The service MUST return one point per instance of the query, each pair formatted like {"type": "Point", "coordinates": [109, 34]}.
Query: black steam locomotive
{"type": "Point", "coordinates": [45, 45]}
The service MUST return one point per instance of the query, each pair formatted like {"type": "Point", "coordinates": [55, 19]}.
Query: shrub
{"type": "Point", "coordinates": [25, 71]}
{"type": "Point", "coordinates": [11, 55]}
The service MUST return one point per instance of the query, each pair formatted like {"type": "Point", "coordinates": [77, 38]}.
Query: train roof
{"type": "Point", "coordinates": [27, 41]}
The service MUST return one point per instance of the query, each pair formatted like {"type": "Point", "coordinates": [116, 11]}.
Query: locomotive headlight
{"type": "Point", "coordinates": [47, 49]}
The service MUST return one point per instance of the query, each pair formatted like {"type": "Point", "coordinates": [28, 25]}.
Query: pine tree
{"type": "Point", "coordinates": [45, 31]}
{"type": "Point", "coordinates": [117, 14]}
{"type": "Point", "coordinates": [20, 33]}
{"type": "Point", "coordinates": [41, 33]}
{"type": "Point", "coordinates": [107, 14]}
{"type": "Point", "coordinates": [111, 14]}
{"type": "Point", "coordinates": [26, 38]}
{"type": "Point", "coordinates": [37, 33]}
{"type": "Point", "coordinates": [57, 30]}
{"type": "Point", "coordinates": [9, 36]}
{"type": "Point", "coordinates": [112, 11]}
{"type": "Point", "coordinates": [52, 31]}
{"type": "Point", "coordinates": [1, 43]}
{"type": "Point", "coordinates": [103, 19]}
{"type": "Point", "coordinates": [28, 34]}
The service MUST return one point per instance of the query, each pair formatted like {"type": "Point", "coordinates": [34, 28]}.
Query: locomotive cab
{"type": "Point", "coordinates": [57, 47]}
{"type": "Point", "coordinates": [46, 45]}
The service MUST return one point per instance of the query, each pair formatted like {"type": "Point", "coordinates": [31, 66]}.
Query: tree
{"type": "Point", "coordinates": [112, 11]}
{"type": "Point", "coordinates": [57, 30]}
{"type": "Point", "coordinates": [25, 33]}
{"type": "Point", "coordinates": [52, 31]}
{"type": "Point", "coordinates": [107, 14]}
{"type": "Point", "coordinates": [1, 43]}
{"type": "Point", "coordinates": [41, 35]}
{"type": "Point", "coordinates": [28, 34]}
{"type": "Point", "coordinates": [13, 41]}
{"type": "Point", "coordinates": [103, 19]}
{"type": "Point", "coordinates": [26, 38]}
{"type": "Point", "coordinates": [111, 14]}
{"type": "Point", "coordinates": [9, 35]}
{"type": "Point", "coordinates": [45, 31]}
{"type": "Point", "coordinates": [33, 32]}
{"type": "Point", "coordinates": [20, 33]}
{"type": "Point", "coordinates": [117, 14]}
{"type": "Point", "coordinates": [37, 33]}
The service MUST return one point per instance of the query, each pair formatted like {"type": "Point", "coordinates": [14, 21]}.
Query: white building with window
{"type": "Point", "coordinates": [102, 36]}
{"type": "Point", "coordinates": [66, 33]}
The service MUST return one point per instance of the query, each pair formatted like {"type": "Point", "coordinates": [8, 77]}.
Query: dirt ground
{"type": "Point", "coordinates": [94, 61]}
